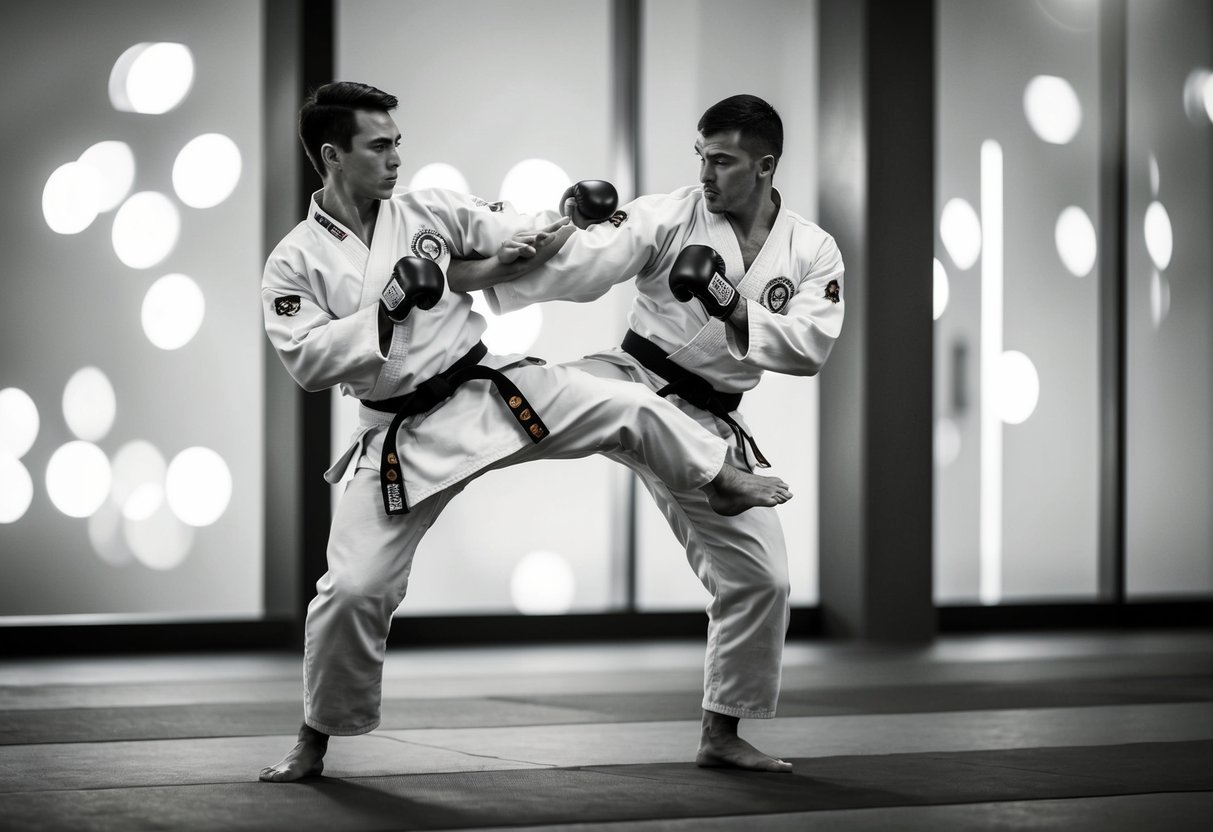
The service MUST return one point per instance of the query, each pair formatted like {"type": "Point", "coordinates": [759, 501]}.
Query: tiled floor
{"type": "Point", "coordinates": [1092, 731]}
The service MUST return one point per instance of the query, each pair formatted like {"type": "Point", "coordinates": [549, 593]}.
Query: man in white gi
{"type": "Point", "coordinates": [353, 296]}
{"type": "Point", "coordinates": [731, 283]}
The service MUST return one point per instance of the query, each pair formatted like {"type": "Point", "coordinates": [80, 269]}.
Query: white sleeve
{"type": "Point", "coordinates": [318, 349]}
{"type": "Point", "coordinates": [476, 228]}
{"type": "Point", "coordinates": [799, 342]}
{"type": "Point", "coordinates": [596, 258]}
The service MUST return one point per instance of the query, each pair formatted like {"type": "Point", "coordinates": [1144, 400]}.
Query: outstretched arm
{"type": "Point", "coordinates": [520, 254]}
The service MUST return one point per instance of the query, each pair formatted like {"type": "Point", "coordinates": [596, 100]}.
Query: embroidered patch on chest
{"type": "Point", "coordinates": [833, 291]}
{"type": "Point", "coordinates": [429, 244]}
{"type": "Point", "coordinates": [777, 293]}
{"type": "Point", "coordinates": [287, 305]}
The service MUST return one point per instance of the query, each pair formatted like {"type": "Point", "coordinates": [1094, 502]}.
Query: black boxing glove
{"type": "Point", "coordinates": [415, 281]}
{"type": "Point", "coordinates": [596, 199]}
{"type": "Point", "coordinates": [698, 272]}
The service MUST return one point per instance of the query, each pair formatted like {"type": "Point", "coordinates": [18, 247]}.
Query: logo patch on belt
{"type": "Point", "coordinates": [392, 460]}
{"type": "Point", "coordinates": [833, 292]}
{"type": "Point", "coordinates": [391, 475]}
{"type": "Point", "coordinates": [537, 431]}
{"type": "Point", "coordinates": [287, 305]}
{"type": "Point", "coordinates": [429, 244]}
{"type": "Point", "coordinates": [524, 415]}
{"type": "Point", "coordinates": [515, 402]}
{"type": "Point", "coordinates": [777, 293]}
{"type": "Point", "coordinates": [618, 218]}
{"type": "Point", "coordinates": [328, 225]}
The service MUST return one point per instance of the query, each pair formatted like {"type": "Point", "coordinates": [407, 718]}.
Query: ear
{"type": "Point", "coordinates": [328, 155]}
{"type": "Point", "coordinates": [766, 166]}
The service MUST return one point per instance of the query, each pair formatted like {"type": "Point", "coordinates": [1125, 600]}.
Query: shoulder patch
{"type": "Point", "coordinates": [429, 244]}
{"type": "Point", "coordinates": [618, 218]}
{"type": "Point", "coordinates": [777, 293]}
{"type": "Point", "coordinates": [833, 291]}
{"type": "Point", "coordinates": [287, 305]}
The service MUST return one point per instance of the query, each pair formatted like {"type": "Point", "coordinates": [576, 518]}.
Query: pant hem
{"type": "Point", "coordinates": [340, 732]}
{"type": "Point", "coordinates": [740, 713]}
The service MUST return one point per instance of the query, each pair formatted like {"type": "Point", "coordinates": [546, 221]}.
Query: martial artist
{"type": "Point", "coordinates": [354, 296]}
{"type": "Point", "coordinates": [731, 283]}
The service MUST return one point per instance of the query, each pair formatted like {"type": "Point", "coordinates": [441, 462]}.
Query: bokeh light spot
{"type": "Point", "coordinates": [151, 78]}
{"type": "Point", "coordinates": [105, 534]}
{"type": "Point", "coordinates": [947, 442]}
{"type": "Point", "coordinates": [18, 421]}
{"type": "Point", "coordinates": [960, 231]}
{"type": "Point", "coordinates": [1160, 298]}
{"type": "Point", "coordinates": [1159, 241]}
{"type": "Point", "coordinates": [78, 478]}
{"type": "Point", "coordinates": [1019, 387]}
{"type": "Point", "coordinates": [16, 488]}
{"type": "Point", "coordinates": [534, 185]}
{"type": "Point", "coordinates": [70, 200]}
{"type": "Point", "coordinates": [1052, 108]}
{"type": "Point", "coordinates": [207, 170]}
{"type": "Point", "coordinates": [941, 290]}
{"type": "Point", "coordinates": [198, 486]}
{"type": "Point", "coordinates": [1074, 235]}
{"type": "Point", "coordinates": [440, 175]}
{"type": "Point", "coordinates": [146, 228]}
{"type": "Point", "coordinates": [543, 583]}
{"type": "Point", "coordinates": [89, 404]}
{"type": "Point", "coordinates": [159, 542]}
{"type": "Point", "coordinates": [138, 472]}
{"type": "Point", "coordinates": [173, 309]}
{"type": "Point", "coordinates": [113, 163]}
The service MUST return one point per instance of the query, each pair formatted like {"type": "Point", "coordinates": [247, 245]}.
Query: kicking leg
{"type": "Point", "coordinates": [734, 491]}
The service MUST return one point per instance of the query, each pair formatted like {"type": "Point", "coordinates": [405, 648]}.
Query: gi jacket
{"type": "Point", "coordinates": [795, 283]}
{"type": "Point", "coordinates": [320, 296]}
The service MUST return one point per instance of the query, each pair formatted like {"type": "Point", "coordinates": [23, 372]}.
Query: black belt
{"type": "Point", "coordinates": [431, 392]}
{"type": "Point", "coordinates": [693, 388]}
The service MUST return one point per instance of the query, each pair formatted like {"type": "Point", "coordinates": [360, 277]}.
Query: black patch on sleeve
{"type": "Point", "coordinates": [287, 305]}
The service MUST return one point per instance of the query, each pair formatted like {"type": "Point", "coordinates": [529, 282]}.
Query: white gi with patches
{"type": "Point", "coordinates": [320, 295]}
{"type": "Point", "coordinates": [794, 286]}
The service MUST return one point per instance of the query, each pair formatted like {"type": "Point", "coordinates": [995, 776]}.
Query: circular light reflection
{"type": "Point", "coordinates": [198, 486]}
{"type": "Point", "coordinates": [947, 442]}
{"type": "Point", "coordinates": [70, 198]}
{"type": "Point", "coordinates": [1075, 238]}
{"type": "Point", "coordinates": [78, 478]}
{"type": "Point", "coordinates": [18, 421]}
{"type": "Point", "coordinates": [173, 309]}
{"type": "Point", "coordinates": [146, 228]}
{"type": "Point", "coordinates": [159, 542]}
{"type": "Point", "coordinates": [206, 170]}
{"type": "Point", "coordinates": [89, 404]}
{"type": "Point", "coordinates": [542, 583]}
{"type": "Point", "coordinates": [1018, 388]}
{"type": "Point", "coordinates": [151, 78]}
{"type": "Point", "coordinates": [1160, 298]}
{"type": "Point", "coordinates": [513, 332]}
{"type": "Point", "coordinates": [113, 164]}
{"type": "Point", "coordinates": [960, 231]}
{"type": "Point", "coordinates": [1158, 235]}
{"type": "Point", "coordinates": [16, 488]}
{"type": "Point", "coordinates": [440, 175]}
{"type": "Point", "coordinates": [1196, 95]}
{"type": "Point", "coordinates": [1154, 176]}
{"type": "Point", "coordinates": [941, 290]}
{"type": "Point", "coordinates": [534, 185]}
{"type": "Point", "coordinates": [1207, 96]}
{"type": "Point", "coordinates": [1052, 108]}
{"type": "Point", "coordinates": [139, 471]}
{"type": "Point", "coordinates": [105, 533]}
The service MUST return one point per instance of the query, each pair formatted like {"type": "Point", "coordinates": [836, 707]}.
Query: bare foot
{"type": "Point", "coordinates": [719, 745]}
{"type": "Point", "coordinates": [733, 491]}
{"type": "Point", "coordinates": [306, 759]}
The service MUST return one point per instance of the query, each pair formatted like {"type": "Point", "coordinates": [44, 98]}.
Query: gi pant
{"type": "Point", "coordinates": [741, 560]}
{"type": "Point", "coordinates": [370, 554]}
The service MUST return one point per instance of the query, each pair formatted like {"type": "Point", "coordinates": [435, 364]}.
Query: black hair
{"type": "Point", "coordinates": [327, 116]}
{"type": "Point", "coordinates": [760, 126]}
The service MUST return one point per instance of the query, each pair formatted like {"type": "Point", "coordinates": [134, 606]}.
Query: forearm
{"type": "Point", "coordinates": [473, 275]}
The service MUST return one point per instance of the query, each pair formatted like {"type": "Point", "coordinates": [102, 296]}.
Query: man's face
{"type": "Point", "coordinates": [728, 172]}
{"type": "Point", "coordinates": [369, 167]}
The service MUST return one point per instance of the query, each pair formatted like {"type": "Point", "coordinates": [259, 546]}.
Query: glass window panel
{"type": "Point", "coordinates": [1170, 299]}
{"type": "Point", "coordinates": [140, 350]}
{"type": "Point", "coordinates": [683, 74]}
{"type": "Point", "coordinates": [1016, 345]}
{"type": "Point", "coordinates": [483, 86]}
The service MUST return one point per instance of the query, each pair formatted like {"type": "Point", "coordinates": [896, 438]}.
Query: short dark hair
{"type": "Point", "coordinates": [327, 116]}
{"type": "Point", "coordinates": [760, 126]}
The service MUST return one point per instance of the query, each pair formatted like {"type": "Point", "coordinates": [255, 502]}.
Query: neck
{"type": "Point", "coordinates": [356, 213]}
{"type": "Point", "coordinates": [756, 217]}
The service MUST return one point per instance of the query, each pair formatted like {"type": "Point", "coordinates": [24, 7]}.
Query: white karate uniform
{"type": "Point", "coordinates": [794, 289]}
{"type": "Point", "coordinates": [320, 294]}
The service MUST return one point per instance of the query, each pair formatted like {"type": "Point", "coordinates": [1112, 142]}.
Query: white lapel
{"type": "Point", "coordinates": [382, 256]}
